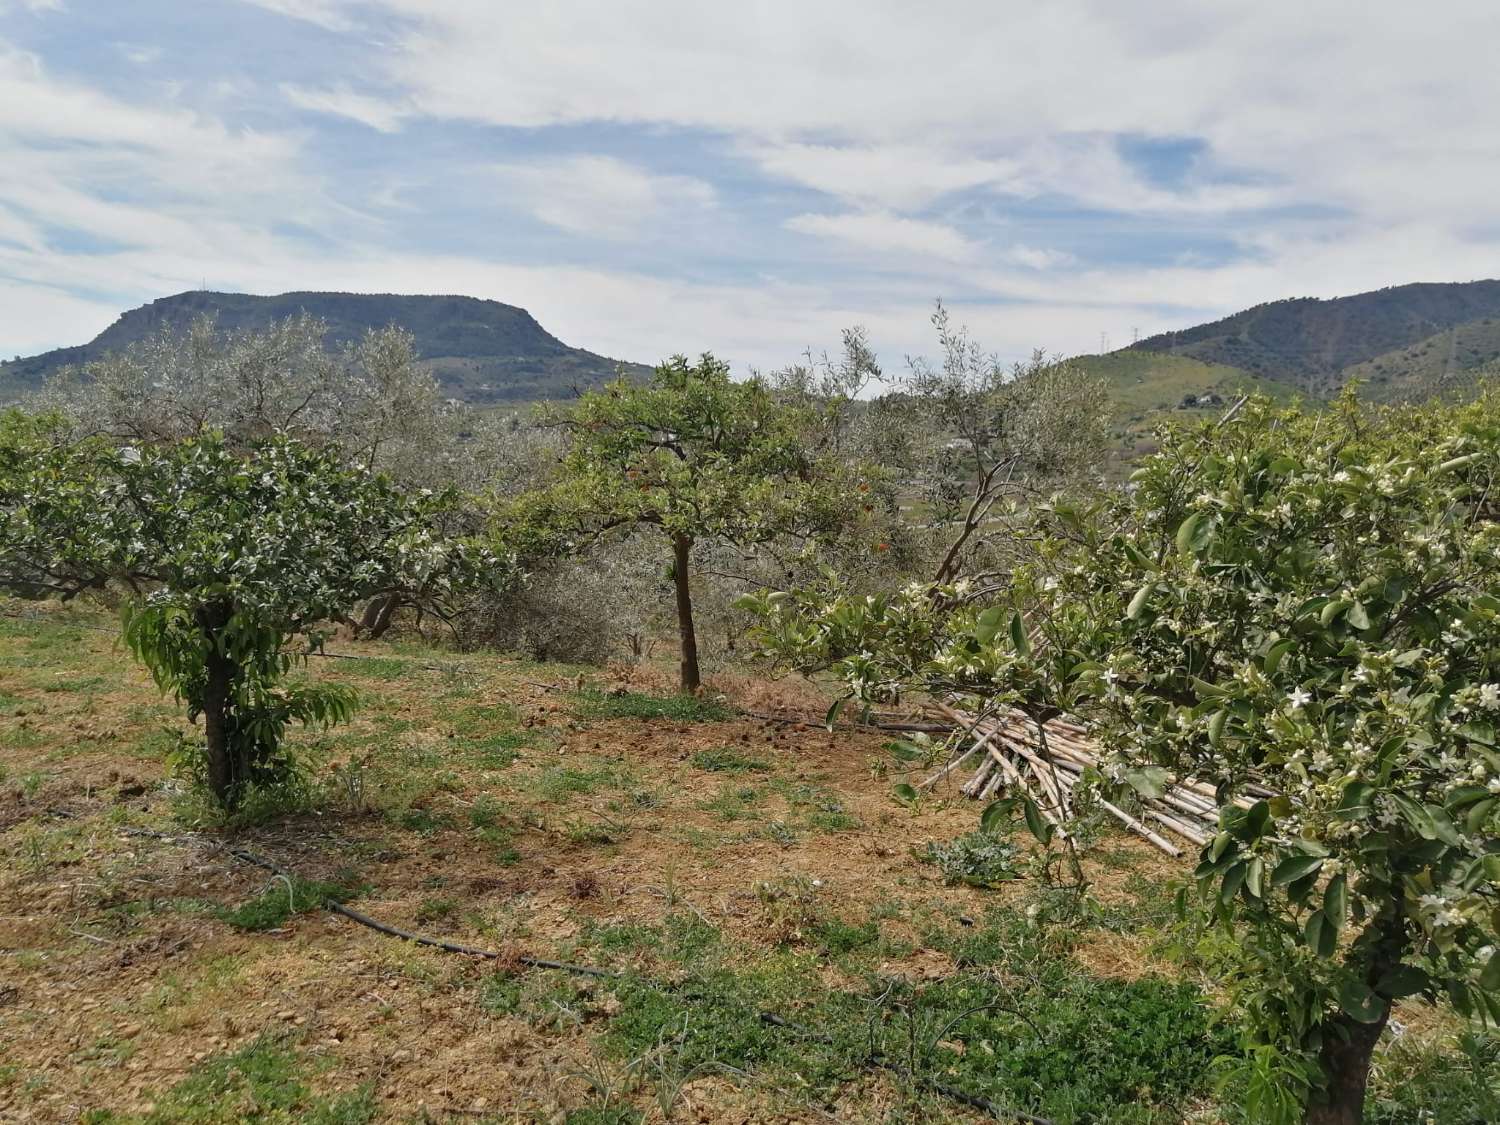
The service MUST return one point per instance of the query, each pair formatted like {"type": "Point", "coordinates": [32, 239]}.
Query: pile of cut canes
{"type": "Point", "coordinates": [1015, 760]}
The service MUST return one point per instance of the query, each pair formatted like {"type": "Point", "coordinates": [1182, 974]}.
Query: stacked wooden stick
{"type": "Point", "coordinates": [1015, 758]}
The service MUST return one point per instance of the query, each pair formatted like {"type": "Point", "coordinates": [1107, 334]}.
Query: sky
{"type": "Point", "coordinates": [665, 177]}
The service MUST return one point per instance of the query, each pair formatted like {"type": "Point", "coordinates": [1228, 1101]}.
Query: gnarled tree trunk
{"type": "Point", "coordinates": [681, 549]}
{"type": "Point", "coordinates": [377, 616]}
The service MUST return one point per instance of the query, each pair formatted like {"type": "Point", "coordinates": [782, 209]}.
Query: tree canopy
{"type": "Point", "coordinates": [1307, 601]}
{"type": "Point", "coordinates": [230, 555]}
{"type": "Point", "coordinates": [697, 456]}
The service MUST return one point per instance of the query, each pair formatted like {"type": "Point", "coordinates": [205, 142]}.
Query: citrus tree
{"type": "Point", "coordinates": [228, 556]}
{"type": "Point", "coordinates": [698, 457]}
{"type": "Point", "coordinates": [1309, 602]}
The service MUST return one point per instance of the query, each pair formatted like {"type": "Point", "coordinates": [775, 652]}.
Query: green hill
{"type": "Point", "coordinates": [1313, 344]}
{"type": "Point", "coordinates": [1147, 387]}
{"type": "Point", "coordinates": [479, 351]}
{"type": "Point", "coordinates": [1446, 362]}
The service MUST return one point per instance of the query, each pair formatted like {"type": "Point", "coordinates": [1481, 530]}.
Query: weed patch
{"type": "Point", "coordinates": [979, 859]}
{"type": "Point", "coordinates": [264, 1082]}
{"type": "Point", "coordinates": [633, 705]}
{"type": "Point", "coordinates": [281, 899]}
{"type": "Point", "coordinates": [726, 759]}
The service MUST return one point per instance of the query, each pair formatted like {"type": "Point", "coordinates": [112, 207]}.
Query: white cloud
{"type": "Point", "coordinates": [330, 15]}
{"type": "Point", "coordinates": [897, 176]}
{"type": "Point", "coordinates": [600, 195]}
{"type": "Point", "coordinates": [378, 113]}
{"type": "Point", "coordinates": [924, 128]}
{"type": "Point", "coordinates": [1347, 103]}
{"type": "Point", "coordinates": [880, 233]}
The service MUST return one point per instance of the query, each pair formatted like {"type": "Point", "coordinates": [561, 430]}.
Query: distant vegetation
{"type": "Point", "coordinates": [1317, 345]}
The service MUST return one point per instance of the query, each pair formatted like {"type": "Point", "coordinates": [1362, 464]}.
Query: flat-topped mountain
{"type": "Point", "coordinates": [480, 351]}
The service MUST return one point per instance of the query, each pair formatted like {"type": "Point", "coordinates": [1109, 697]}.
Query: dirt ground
{"type": "Point", "coordinates": [482, 800]}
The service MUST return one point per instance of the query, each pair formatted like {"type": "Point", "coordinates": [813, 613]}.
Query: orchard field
{"type": "Point", "coordinates": [723, 865]}
{"type": "Point", "coordinates": [811, 746]}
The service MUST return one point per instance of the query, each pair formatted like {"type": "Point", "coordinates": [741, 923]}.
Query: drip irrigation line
{"type": "Point", "coordinates": [874, 1059]}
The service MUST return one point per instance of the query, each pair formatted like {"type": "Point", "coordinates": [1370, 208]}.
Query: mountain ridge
{"type": "Point", "coordinates": [479, 350]}
{"type": "Point", "coordinates": [1316, 343]}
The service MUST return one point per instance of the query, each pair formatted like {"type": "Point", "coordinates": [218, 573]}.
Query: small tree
{"type": "Point", "coordinates": [1307, 601]}
{"type": "Point", "coordinates": [229, 556]}
{"type": "Point", "coordinates": [699, 457]}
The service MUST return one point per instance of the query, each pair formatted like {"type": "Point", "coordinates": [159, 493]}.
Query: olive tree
{"type": "Point", "coordinates": [1305, 602]}
{"type": "Point", "coordinates": [229, 556]}
{"type": "Point", "coordinates": [370, 399]}
{"type": "Point", "coordinates": [697, 457]}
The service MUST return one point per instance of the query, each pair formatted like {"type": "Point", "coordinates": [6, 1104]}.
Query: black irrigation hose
{"type": "Point", "coordinates": [874, 1060]}
{"type": "Point", "coordinates": [336, 907]}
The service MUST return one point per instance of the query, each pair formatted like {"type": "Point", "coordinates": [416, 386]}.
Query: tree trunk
{"type": "Point", "coordinates": [1348, 1043]}
{"type": "Point", "coordinates": [217, 690]}
{"type": "Point", "coordinates": [1346, 1070]}
{"type": "Point", "coordinates": [376, 618]}
{"type": "Point", "coordinates": [681, 548]}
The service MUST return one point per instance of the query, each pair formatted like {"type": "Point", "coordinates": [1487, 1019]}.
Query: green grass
{"type": "Point", "coordinates": [727, 759]}
{"type": "Point", "coordinates": [280, 900]}
{"type": "Point", "coordinates": [633, 705]}
{"type": "Point", "coordinates": [264, 1082]}
{"type": "Point", "coordinates": [1037, 1033]}
{"type": "Point", "coordinates": [558, 784]}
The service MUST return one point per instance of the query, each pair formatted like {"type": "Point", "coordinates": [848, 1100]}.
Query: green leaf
{"type": "Point", "coordinates": [1359, 1002]}
{"type": "Point", "coordinates": [1321, 938]}
{"type": "Point", "coordinates": [1333, 609]}
{"type": "Point", "coordinates": [1216, 727]}
{"type": "Point", "coordinates": [1018, 635]}
{"type": "Point", "coordinates": [1040, 827]}
{"type": "Point", "coordinates": [1276, 654]}
{"type": "Point", "coordinates": [1489, 976]}
{"type": "Point", "coordinates": [1234, 878]}
{"type": "Point", "coordinates": [1355, 799]}
{"type": "Point", "coordinates": [1220, 843]}
{"type": "Point", "coordinates": [996, 814]}
{"type": "Point", "coordinates": [1475, 818]}
{"type": "Point", "coordinates": [988, 624]}
{"type": "Point", "coordinates": [905, 793]}
{"type": "Point", "coordinates": [1148, 781]}
{"type": "Point", "coordinates": [1195, 533]}
{"type": "Point", "coordinates": [1295, 867]}
{"type": "Point", "coordinates": [905, 751]}
{"type": "Point", "coordinates": [833, 712]}
{"type": "Point", "coordinates": [1255, 877]}
{"type": "Point", "coordinates": [1137, 604]}
{"type": "Point", "coordinates": [1403, 980]}
{"type": "Point", "coordinates": [1336, 901]}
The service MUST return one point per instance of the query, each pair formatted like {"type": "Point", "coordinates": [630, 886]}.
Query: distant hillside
{"type": "Point", "coordinates": [1147, 387]}
{"type": "Point", "coordinates": [480, 351]}
{"type": "Point", "coordinates": [1317, 345]}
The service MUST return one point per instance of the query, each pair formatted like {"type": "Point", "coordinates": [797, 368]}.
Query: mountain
{"type": "Point", "coordinates": [480, 351]}
{"type": "Point", "coordinates": [1403, 342]}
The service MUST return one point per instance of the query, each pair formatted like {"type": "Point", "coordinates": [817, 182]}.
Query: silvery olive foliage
{"type": "Point", "coordinates": [370, 399]}
{"type": "Point", "coordinates": [1307, 601]}
{"type": "Point", "coordinates": [233, 555]}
